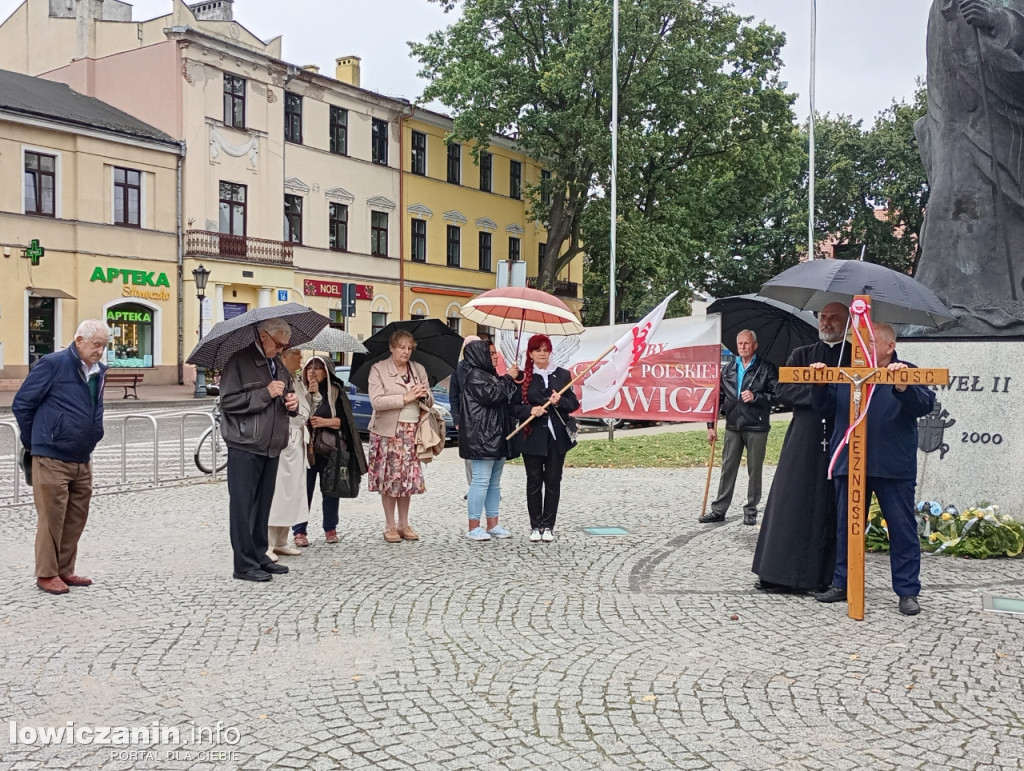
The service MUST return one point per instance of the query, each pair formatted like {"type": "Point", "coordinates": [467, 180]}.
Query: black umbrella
{"type": "Point", "coordinates": [230, 336]}
{"type": "Point", "coordinates": [779, 326]}
{"type": "Point", "coordinates": [437, 348]}
{"type": "Point", "coordinates": [896, 298]}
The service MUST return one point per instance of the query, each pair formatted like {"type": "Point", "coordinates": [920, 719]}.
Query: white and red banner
{"type": "Point", "coordinates": [673, 375]}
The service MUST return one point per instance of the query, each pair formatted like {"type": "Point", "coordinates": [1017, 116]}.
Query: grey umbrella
{"type": "Point", "coordinates": [779, 326]}
{"type": "Point", "coordinates": [230, 336]}
{"type": "Point", "coordinates": [335, 341]}
{"type": "Point", "coordinates": [896, 298]}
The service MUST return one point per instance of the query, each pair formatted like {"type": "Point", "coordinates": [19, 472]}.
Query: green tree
{"type": "Point", "coordinates": [700, 110]}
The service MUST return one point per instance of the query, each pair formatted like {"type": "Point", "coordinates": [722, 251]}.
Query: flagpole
{"type": "Point", "coordinates": [711, 465]}
{"type": "Point", "coordinates": [810, 132]}
{"type": "Point", "coordinates": [615, 175]}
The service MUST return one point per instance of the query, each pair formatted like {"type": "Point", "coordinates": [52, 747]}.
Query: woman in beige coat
{"type": "Point", "coordinates": [397, 387]}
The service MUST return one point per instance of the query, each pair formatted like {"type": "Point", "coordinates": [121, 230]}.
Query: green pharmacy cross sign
{"type": "Point", "coordinates": [34, 251]}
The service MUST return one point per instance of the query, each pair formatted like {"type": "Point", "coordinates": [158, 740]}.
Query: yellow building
{"type": "Point", "coordinates": [463, 218]}
{"type": "Point", "coordinates": [88, 229]}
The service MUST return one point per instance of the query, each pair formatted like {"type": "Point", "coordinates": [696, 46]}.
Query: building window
{"type": "Point", "coordinates": [416, 317]}
{"type": "Point", "coordinates": [485, 252]}
{"type": "Point", "coordinates": [40, 184]}
{"type": "Point", "coordinates": [486, 161]}
{"type": "Point", "coordinates": [513, 249]}
{"type": "Point", "coordinates": [293, 219]}
{"type": "Point", "coordinates": [234, 101]}
{"type": "Point", "coordinates": [419, 153]}
{"type": "Point", "coordinates": [339, 131]}
{"type": "Point", "coordinates": [541, 249]}
{"type": "Point", "coordinates": [545, 190]}
{"type": "Point", "coordinates": [232, 208]}
{"type": "Point", "coordinates": [419, 241]}
{"type": "Point", "coordinates": [379, 148]}
{"type": "Point", "coordinates": [377, 322]}
{"type": "Point", "coordinates": [454, 245]}
{"type": "Point", "coordinates": [127, 197]}
{"type": "Point", "coordinates": [455, 164]}
{"type": "Point", "coordinates": [131, 336]}
{"type": "Point", "coordinates": [515, 179]}
{"type": "Point", "coordinates": [293, 118]}
{"type": "Point", "coordinates": [379, 233]}
{"type": "Point", "coordinates": [338, 215]}
{"type": "Point", "coordinates": [453, 323]}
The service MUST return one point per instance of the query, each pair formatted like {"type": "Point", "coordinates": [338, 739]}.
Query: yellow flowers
{"type": "Point", "coordinates": [933, 537]}
{"type": "Point", "coordinates": [946, 516]}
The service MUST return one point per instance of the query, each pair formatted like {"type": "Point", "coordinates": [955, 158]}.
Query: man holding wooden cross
{"type": "Point", "coordinates": [891, 460]}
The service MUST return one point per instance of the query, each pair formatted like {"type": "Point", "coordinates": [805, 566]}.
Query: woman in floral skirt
{"type": "Point", "coordinates": [397, 387]}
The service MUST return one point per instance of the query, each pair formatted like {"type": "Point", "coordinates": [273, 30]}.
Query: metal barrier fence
{"type": "Point", "coordinates": [111, 461]}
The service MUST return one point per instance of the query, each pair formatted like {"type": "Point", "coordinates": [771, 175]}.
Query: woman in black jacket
{"type": "Point", "coordinates": [329, 409]}
{"type": "Point", "coordinates": [484, 422]}
{"type": "Point", "coordinates": [547, 439]}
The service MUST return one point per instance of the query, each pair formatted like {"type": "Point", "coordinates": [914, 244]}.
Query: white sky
{"type": "Point", "coordinates": [869, 51]}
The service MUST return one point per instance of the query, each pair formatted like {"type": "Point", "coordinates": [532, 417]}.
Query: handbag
{"type": "Point", "coordinates": [337, 479]}
{"type": "Point", "coordinates": [325, 441]}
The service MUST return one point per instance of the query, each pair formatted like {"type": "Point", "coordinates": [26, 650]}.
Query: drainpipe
{"type": "Point", "coordinates": [181, 267]}
{"type": "Point", "coordinates": [401, 210]}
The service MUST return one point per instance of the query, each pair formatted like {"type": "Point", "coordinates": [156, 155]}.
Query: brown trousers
{"type": "Point", "coordinates": [62, 492]}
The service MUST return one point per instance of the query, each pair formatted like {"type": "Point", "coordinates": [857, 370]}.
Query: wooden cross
{"type": "Point", "coordinates": [857, 376]}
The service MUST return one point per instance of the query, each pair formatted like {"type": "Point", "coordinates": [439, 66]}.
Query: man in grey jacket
{"type": "Point", "coordinates": [256, 399]}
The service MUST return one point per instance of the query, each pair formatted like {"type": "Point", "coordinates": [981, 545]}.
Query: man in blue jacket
{"type": "Point", "coordinates": [891, 466]}
{"type": "Point", "coordinates": [59, 409]}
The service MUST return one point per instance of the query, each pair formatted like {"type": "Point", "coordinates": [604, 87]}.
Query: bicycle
{"type": "Point", "coordinates": [205, 452]}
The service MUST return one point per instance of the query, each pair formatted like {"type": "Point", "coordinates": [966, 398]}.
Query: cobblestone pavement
{"type": "Point", "coordinates": [646, 651]}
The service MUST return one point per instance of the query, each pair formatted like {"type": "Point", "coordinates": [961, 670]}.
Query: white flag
{"type": "Point", "coordinates": [602, 385]}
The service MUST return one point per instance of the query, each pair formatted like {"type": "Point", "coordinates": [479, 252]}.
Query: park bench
{"type": "Point", "coordinates": [125, 380]}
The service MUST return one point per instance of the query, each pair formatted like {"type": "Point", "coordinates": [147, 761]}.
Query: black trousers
{"type": "Point", "coordinates": [543, 486]}
{"type": "Point", "coordinates": [251, 482]}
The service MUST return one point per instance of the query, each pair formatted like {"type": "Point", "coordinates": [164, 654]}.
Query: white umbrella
{"type": "Point", "coordinates": [335, 340]}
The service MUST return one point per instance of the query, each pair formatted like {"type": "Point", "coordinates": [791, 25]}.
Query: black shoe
{"type": "Point", "coordinates": [909, 605]}
{"type": "Point", "coordinates": [769, 588]}
{"type": "Point", "coordinates": [252, 575]}
{"type": "Point", "coordinates": [711, 517]}
{"type": "Point", "coordinates": [834, 594]}
{"type": "Point", "coordinates": [273, 567]}
{"type": "Point", "coordinates": [749, 519]}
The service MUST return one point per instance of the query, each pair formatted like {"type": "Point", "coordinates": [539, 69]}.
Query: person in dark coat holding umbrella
{"type": "Point", "coordinates": [484, 399]}
{"type": "Point", "coordinates": [796, 548]}
{"type": "Point", "coordinates": [546, 440]}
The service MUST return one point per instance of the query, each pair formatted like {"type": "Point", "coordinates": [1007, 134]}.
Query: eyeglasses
{"type": "Point", "coordinates": [277, 342]}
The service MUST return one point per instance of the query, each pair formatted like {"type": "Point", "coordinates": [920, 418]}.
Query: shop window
{"type": "Point", "coordinates": [453, 323]}
{"type": "Point", "coordinates": [131, 335]}
{"type": "Point", "coordinates": [377, 322]}
{"type": "Point", "coordinates": [41, 325]}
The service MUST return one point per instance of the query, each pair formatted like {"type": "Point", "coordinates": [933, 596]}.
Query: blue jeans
{"type": "Point", "coordinates": [485, 489]}
{"type": "Point", "coordinates": [330, 504]}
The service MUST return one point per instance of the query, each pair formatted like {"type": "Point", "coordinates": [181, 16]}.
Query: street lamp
{"type": "Point", "coordinates": [201, 275]}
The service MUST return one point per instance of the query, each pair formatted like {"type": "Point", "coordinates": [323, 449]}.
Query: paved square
{"type": "Point", "coordinates": [645, 651]}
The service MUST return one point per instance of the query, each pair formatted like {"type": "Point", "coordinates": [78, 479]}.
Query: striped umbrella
{"type": "Point", "coordinates": [523, 310]}
{"type": "Point", "coordinates": [231, 336]}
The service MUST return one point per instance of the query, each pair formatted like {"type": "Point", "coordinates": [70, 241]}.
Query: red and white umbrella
{"type": "Point", "coordinates": [523, 310]}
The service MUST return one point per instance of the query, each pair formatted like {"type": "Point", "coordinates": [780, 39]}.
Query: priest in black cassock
{"type": "Point", "coordinates": [796, 548]}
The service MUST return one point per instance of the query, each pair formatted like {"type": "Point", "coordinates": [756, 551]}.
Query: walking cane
{"type": "Point", "coordinates": [707, 484]}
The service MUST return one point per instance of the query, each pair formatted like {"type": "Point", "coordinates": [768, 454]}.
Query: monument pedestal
{"type": "Point", "coordinates": [971, 448]}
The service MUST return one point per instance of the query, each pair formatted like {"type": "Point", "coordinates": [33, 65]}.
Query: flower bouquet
{"type": "Point", "coordinates": [978, 532]}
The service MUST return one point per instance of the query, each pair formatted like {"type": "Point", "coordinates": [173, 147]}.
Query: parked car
{"type": "Point", "coordinates": [364, 410]}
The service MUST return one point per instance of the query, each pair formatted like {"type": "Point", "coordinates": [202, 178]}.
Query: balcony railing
{"type": "Point", "coordinates": [562, 288]}
{"type": "Point", "coordinates": [205, 243]}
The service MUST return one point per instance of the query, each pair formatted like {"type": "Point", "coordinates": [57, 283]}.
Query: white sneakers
{"type": "Point", "coordinates": [499, 532]}
{"type": "Point", "coordinates": [535, 535]}
{"type": "Point", "coordinates": [478, 534]}
{"type": "Point", "coordinates": [547, 536]}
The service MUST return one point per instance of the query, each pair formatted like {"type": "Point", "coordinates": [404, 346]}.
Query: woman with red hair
{"type": "Point", "coordinates": [547, 439]}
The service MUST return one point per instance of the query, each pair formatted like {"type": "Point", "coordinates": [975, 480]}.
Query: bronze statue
{"type": "Point", "coordinates": [972, 145]}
